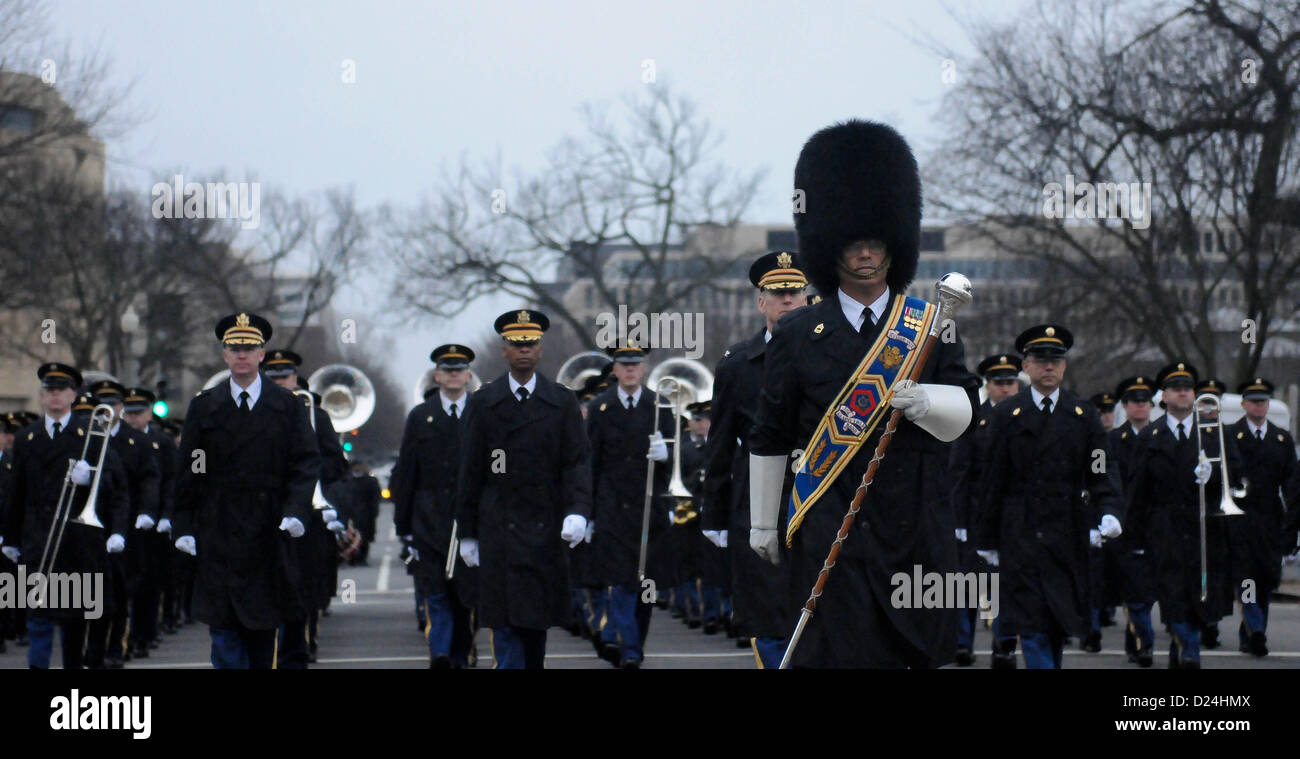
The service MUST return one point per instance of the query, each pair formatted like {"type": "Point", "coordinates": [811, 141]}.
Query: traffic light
{"type": "Point", "coordinates": [160, 405]}
{"type": "Point", "coordinates": [160, 409]}
{"type": "Point", "coordinates": [347, 446]}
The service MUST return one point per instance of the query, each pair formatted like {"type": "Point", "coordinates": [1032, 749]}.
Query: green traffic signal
{"type": "Point", "coordinates": [347, 447]}
{"type": "Point", "coordinates": [160, 409]}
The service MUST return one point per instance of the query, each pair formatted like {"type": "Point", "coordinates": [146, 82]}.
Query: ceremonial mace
{"type": "Point", "coordinates": [953, 293]}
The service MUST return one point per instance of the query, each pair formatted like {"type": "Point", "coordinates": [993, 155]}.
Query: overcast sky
{"type": "Point", "coordinates": [255, 90]}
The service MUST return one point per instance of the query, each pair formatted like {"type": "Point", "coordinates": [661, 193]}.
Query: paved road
{"type": "Point", "coordinates": [377, 630]}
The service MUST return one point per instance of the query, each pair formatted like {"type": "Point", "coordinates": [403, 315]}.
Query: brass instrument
{"type": "Point", "coordinates": [345, 393]}
{"type": "Point", "coordinates": [99, 426]}
{"type": "Point", "coordinates": [1227, 505]}
{"type": "Point", "coordinates": [318, 500]}
{"type": "Point", "coordinates": [452, 551]}
{"type": "Point", "coordinates": [580, 367]}
{"type": "Point", "coordinates": [217, 379]}
{"type": "Point", "coordinates": [676, 383]}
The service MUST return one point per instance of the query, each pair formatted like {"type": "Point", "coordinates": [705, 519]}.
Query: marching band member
{"type": "Point", "coordinates": [249, 464]}
{"type": "Point", "coordinates": [524, 491]}
{"type": "Point", "coordinates": [1128, 565]}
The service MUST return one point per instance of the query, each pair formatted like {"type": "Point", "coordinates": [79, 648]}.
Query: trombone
{"type": "Point", "coordinates": [1227, 505]}
{"type": "Point", "coordinates": [318, 500]}
{"type": "Point", "coordinates": [101, 422]}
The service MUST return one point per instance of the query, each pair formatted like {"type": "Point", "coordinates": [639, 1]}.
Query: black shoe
{"type": "Point", "coordinates": [729, 628]}
{"type": "Point", "coordinates": [1092, 643]}
{"type": "Point", "coordinates": [608, 652]}
{"type": "Point", "coordinates": [141, 651]}
{"type": "Point", "coordinates": [326, 612]}
{"type": "Point", "coordinates": [742, 643]}
{"type": "Point", "coordinates": [574, 629]}
{"type": "Point", "coordinates": [1144, 659]}
{"type": "Point", "coordinates": [630, 664]}
{"type": "Point", "coordinates": [1004, 661]}
{"type": "Point", "coordinates": [711, 627]}
{"type": "Point", "coordinates": [1191, 664]}
{"type": "Point", "coordinates": [1210, 637]}
{"type": "Point", "coordinates": [311, 654]}
{"type": "Point", "coordinates": [1258, 643]}
{"type": "Point", "coordinates": [156, 642]}
{"type": "Point", "coordinates": [693, 624]}
{"type": "Point", "coordinates": [440, 662]}
{"type": "Point", "coordinates": [113, 662]}
{"type": "Point", "coordinates": [3, 648]}
{"type": "Point", "coordinates": [965, 657]}
{"type": "Point", "coordinates": [170, 628]}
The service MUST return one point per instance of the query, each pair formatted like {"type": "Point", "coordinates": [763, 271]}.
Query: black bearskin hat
{"type": "Point", "coordinates": [859, 182]}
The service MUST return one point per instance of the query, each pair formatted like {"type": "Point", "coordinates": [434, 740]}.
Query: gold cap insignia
{"type": "Point", "coordinates": [1002, 359]}
{"type": "Point", "coordinates": [1050, 331]}
{"type": "Point", "coordinates": [784, 260]}
{"type": "Point", "coordinates": [522, 316]}
{"type": "Point", "coordinates": [1258, 380]}
{"type": "Point", "coordinates": [1180, 367]}
{"type": "Point", "coordinates": [241, 320]}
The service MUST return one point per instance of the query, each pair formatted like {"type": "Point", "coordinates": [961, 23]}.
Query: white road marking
{"type": "Point", "coordinates": [380, 659]}
{"type": "Point", "coordinates": [384, 570]}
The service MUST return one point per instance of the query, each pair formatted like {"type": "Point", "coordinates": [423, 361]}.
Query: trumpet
{"type": "Point", "coordinates": [1227, 503]}
{"type": "Point", "coordinates": [318, 500]}
{"type": "Point", "coordinates": [101, 422]}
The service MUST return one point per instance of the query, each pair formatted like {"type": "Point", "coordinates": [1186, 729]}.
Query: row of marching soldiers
{"type": "Point", "coordinates": [539, 457]}
{"type": "Point", "coordinates": [1040, 459]}
{"type": "Point", "coordinates": [210, 520]}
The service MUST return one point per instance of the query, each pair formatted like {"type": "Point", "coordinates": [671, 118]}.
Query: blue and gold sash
{"type": "Point", "coordinates": [861, 404]}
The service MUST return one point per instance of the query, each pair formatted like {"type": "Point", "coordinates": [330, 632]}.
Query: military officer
{"type": "Point", "coordinates": [1034, 518]}
{"type": "Point", "coordinates": [1100, 614]}
{"type": "Point", "coordinates": [1269, 468]}
{"type": "Point", "coordinates": [622, 422]}
{"type": "Point", "coordinates": [1164, 513]}
{"type": "Point", "coordinates": [859, 230]}
{"type": "Point", "coordinates": [1220, 574]}
{"type": "Point", "coordinates": [707, 557]}
{"type": "Point", "coordinates": [1001, 375]}
{"type": "Point", "coordinates": [762, 612]}
{"type": "Point", "coordinates": [107, 641]}
{"type": "Point", "coordinates": [156, 545]}
{"type": "Point", "coordinates": [40, 455]}
{"type": "Point", "coordinates": [317, 551]}
{"type": "Point", "coordinates": [1105, 405]}
{"type": "Point", "coordinates": [249, 465]}
{"type": "Point", "coordinates": [1127, 569]}
{"type": "Point", "coordinates": [9, 426]}
{"type": "Point", "coordinates": [524, 491]}
{"type": "Point", "coordinates": [424, 493]}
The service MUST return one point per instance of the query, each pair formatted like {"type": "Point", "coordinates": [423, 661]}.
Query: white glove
{"type": "Point", "coordinates": [1094, 538]}
{"type": "Point", "coordinates": [11, 553]}
{"type": "Point", "coordinates": [723, 536]}
{"type": "Point", "coordinates": [912, 399]}
{"type": "Point", "coordinates": [81, 473]}
{"type": "Point", "coordinates": [658, 448]}
{"type": "Point", "coordinates": [412, 553]}
{"type": "Point", "coordinates": [591, 530]}
{"type": "Point", "coordinates": [164, 525]}
{"type": "Point", "coordinates": [714, 537]}
{"type": "Point", "coordinates": [765, 543]}
{"type": "Point", "coordinates": [329, 515]}
{"type": "Point", "coordinates": [116, 543]}
{"type": "Point", "coordinates": [1109, 527]}
{"type": "Point", "coordinates": [336, 526]}
{"type": "Point", "coordinates": [144, 522]}
{"type": "Point", "coordinates": [469, 551]}
{"type": "Point", "coordinates": [574, 529]}
{"type": "Point", "coordinates": [990, 556]}
{"type": "Point", "coordinates": [292, 526]}
{"type": "Point", "coordinates": [186, 543]}
{"type": "Point", "coordinates": [961, 534]}
{"type": "Point", "coordinates": [1203, 470]}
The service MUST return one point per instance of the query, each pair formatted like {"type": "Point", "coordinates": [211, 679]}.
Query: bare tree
{"type": "Point", "coordinates": [612, 207]}
{"type": "Point", "coordinates": [1197, 99]}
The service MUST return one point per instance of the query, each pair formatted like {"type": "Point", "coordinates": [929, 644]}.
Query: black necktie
{"type": "Point", "coordinates": [57, 427]}
{"type": "Point", "coordinates": [628, 400]}
{"type": "Point", "coordinates": [1182, 433]}
{"type": "Point", "coordinates": [523, 394]}
{"type": "Point", "coordinates": [453, 412]}
{"type": "Point", "coordinates": [1047, 405]}
{"type": "Point", "coordinates": [243, 401]}
{"type": "Point", "coordinates": [868, 322]}
{"type": "Point", "coordinates": [1259, 435]}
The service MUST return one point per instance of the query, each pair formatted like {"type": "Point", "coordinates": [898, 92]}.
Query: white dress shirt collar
{"type": "Point", "coordinates": [853, 309]}
{"type": "Point", "coordinates": [531, 384]}
{"type": "Point", "coordinates": [1038, 397]}
{"type": "Point", "coordinates": [1174, 424]}
{"type": "Point", "coordinates": [623, 396]}
{"type": "Point", "coordinates": [1254, 430]}
{"type": "Point", "coordinates": [63, 423]}
{"type": "Point", "coordinates": [254, 391]}
{"type": "Point", "coordinates": [460, 404]}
